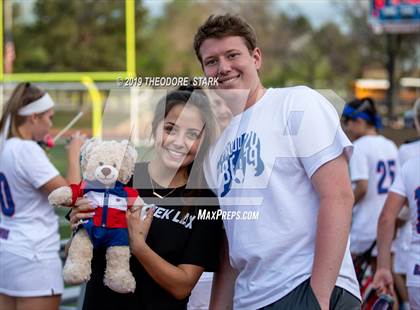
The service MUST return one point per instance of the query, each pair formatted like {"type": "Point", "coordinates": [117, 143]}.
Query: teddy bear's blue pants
{"type": "Point", "coordinates": [104, 237]}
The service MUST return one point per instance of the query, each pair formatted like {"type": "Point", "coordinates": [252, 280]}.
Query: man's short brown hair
{"type": "Point", "coordinates": [220, 26]}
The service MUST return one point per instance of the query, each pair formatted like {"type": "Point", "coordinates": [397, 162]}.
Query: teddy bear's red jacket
{"type": "Point", "coordinates": [111, 203]}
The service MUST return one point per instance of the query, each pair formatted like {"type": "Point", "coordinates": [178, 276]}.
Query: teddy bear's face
{"type": "Point", "coordinates": [108, 161]}
{"type": "Point", "coordinates": [106, 171]}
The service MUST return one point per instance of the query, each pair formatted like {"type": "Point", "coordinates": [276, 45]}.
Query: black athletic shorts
{"type": "Point", "coordinates": [303, 298]}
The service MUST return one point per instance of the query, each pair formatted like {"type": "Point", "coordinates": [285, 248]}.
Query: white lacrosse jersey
{"type": "Point", "coordinates": [375, 160]}
{"type": "Point", "coordinates": [408, 150]}
{"type": "Point", "coordinates": [263, 162]}
{"type": "Point", "coordinates": [28, 224]}
{"type": "Point", "coordinates": [405, 152]}
{"type": "Point", "coordinates": [407, 184]}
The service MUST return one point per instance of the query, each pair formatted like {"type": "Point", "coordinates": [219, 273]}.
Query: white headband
{"type": "Point", "coordinates": [38, 106]}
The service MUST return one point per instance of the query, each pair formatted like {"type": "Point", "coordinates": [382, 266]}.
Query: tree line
{"type": "Point", "coordinates": [88, 35]}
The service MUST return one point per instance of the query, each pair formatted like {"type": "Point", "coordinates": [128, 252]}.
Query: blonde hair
{"type": "Point", "coordinates": [22, 95]}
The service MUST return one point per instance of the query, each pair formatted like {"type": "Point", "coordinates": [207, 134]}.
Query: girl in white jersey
{"type": "Point", "coordinates": [401, 245]}
{"type": "Point", "coordinates": [406, 188]}
{"type": "Point", "coordinates": [30, 267]}
{"type": "Point", "coordinates": [372, 170]}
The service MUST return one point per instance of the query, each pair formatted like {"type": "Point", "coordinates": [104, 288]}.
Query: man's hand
{"type": "Point", "coordinates": [322, 298]}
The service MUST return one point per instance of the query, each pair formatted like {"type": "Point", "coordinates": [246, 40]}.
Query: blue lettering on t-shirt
{"type": "Point", "coordinates": [242, 152]}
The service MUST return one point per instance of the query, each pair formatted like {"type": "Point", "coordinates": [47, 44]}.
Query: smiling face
{"type": "Point", "coordinates": [178, 137]}
{"type": "Point", "coordinates": [236, 67]}
{"type": "Point", "coordinates": [229, 60]}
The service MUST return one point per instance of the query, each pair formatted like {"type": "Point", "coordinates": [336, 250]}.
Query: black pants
{"type": "Point", "coordinates": [303, 298]}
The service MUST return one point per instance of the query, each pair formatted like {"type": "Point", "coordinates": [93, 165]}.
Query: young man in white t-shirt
{"type": "Point", "coordinates": [285, 156]}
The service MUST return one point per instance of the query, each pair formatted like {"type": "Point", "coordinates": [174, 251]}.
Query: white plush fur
{"type": "Point", "coordinates": [60, 197]}
{"type": "Point", "coordinates": [120, 158]}
{"type": "Point", "coordinates": [117, 273]}
{"type": "Point", "coordinates": [77, 268]}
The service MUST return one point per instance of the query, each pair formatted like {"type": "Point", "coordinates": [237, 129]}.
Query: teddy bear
{"type": "Point", "coordinates": [106, 167]}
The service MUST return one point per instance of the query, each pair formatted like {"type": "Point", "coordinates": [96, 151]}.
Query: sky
{"type": "Point", "coordinates": [317, 11]}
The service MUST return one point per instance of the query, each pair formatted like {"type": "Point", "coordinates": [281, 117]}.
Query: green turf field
{"type": "Point", "coordinates": [58, 157]}
{"type": "Point", "coordinates": [62, 118]}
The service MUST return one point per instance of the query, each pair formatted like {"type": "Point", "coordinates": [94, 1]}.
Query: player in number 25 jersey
{"type": "Point", "coordinates": [372, 170]}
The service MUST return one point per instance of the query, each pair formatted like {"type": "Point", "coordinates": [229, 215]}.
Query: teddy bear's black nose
{"type": "Point", "coordinates": [106, 171]}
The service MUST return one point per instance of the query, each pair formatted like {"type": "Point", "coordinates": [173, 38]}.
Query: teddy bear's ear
{"type": "Point", "coordinates": [130, 150]}
{"type": "Point", "coordinates": [86, 149]}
